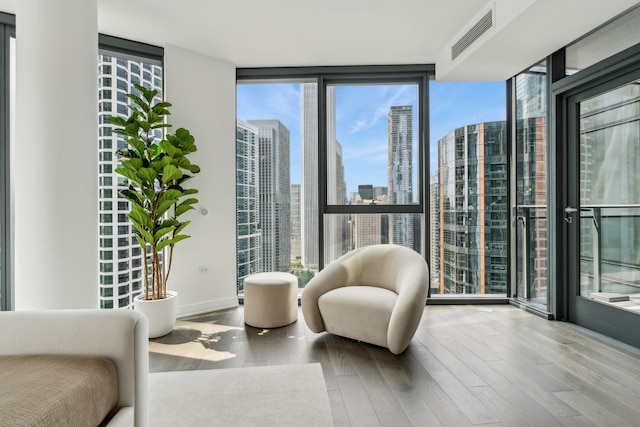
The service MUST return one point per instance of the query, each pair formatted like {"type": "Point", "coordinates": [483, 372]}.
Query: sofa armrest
{"type": "Point", "coordinates": [120, 335]}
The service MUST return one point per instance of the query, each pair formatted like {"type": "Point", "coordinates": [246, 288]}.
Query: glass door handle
{"type": "Point", "coordinates": [568, 211]}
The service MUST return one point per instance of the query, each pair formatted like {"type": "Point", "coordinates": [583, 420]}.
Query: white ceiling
{"type": "Point", "coordinates": [277, 33]}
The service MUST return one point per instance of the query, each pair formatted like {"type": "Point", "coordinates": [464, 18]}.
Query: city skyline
{"type": "Point", "coordinates": [361, 119]}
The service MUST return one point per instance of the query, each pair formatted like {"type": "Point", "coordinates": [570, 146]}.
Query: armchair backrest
{"type": "Point", "coordinates": [382, 265]}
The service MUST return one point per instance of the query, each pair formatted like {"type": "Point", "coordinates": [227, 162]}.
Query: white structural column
{"type": "Point", "coordinates": [55, 163]}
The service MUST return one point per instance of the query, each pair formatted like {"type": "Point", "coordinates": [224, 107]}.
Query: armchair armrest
{"type": "Point", "coordinates": [342, 272]}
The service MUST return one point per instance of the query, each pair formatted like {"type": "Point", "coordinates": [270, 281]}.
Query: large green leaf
{"type": "Point", "coordinates": [141, 242]}
{"type": "Point", "coordinates": [148, 94]}
{"type": "Point", "coordinates": [139, 215]}
{"type": "Point", "coordinates": [185, 206]}
{"type": "Point", "coordinates": [132, 164]}
{"type": "Point", "coordinates": [162, 232]}
{"type": "Point", "coordinates": [170, 195]}
{"type": "Point", "coordinates": [128, 173]}
{"type": "Point", "coordinates": [170, 173]}
{"type": "Point", "coordinates": [117, 121]}
{"type": "Point", "coordinates": [164, 207]}
{"type": "Point", "coordinates": [133, 196]}
{"type": "Point", "coordinates": [171, 241]}
{"type": "Point", "coordinates": [142, 104]}
{"type": "Point", "coordinates": [146, 235]}
{"type": "Point", "coordinates": [168, 148]}
{"type": "Point", "coordinates": [181, 227]}
{"type": "Point", "coordinates": [147, 174]}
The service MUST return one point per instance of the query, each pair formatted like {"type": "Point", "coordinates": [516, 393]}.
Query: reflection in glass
{"type": "Point", "coordinates": [531, 209]}
{"type": "Point", "coordinates": [610, 197]}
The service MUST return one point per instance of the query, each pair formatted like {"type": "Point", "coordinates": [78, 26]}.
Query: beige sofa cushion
{"type": "Point", "coordinates": [56, 390]}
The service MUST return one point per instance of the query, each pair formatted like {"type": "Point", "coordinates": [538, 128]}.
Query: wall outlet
{"type": "Point", "coordinates": [204, 269]}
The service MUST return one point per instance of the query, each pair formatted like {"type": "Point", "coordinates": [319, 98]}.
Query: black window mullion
{"type": "Point", "coordinates": [6, 282]}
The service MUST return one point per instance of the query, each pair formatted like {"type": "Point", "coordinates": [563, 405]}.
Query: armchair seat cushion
{"type": "Point", "coordinates": [51, 390]}
{"type": "Point", "coordinates": [358, 312]}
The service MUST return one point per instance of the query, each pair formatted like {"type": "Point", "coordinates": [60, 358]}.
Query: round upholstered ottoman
{"type": "Point", "coordinates": [270, 299]}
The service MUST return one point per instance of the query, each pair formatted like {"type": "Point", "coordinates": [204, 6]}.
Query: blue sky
{"type": "Point", "coordinates": [361, 119]}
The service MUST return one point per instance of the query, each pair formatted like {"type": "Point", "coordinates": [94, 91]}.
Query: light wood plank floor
{"type": "Point", "coordinates": [467, 365]}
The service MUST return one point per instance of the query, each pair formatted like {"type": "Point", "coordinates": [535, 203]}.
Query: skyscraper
{"type": "Point", "coordinates": [309, 193]}
{"type": "Point", "coordinates": [121, 262]}
{"type": "Point", "coordinates": [247, 202]}
{"type": "Point", "coordinates": [473, 209]}
{"type": "Point", "coordinates": [335, 227]}
{"type": "Point", "coordinates": [400, 172]}
{"type": "Point", "coordinates": [295, 224]}
{"type": "Point", "coordinates": [274, 186]}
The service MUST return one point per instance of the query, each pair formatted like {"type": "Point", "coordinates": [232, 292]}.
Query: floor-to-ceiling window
{"type": "Point", "coordinates": [7, 85]}
{"type": "Point", "coordinates": [121, 64]}
{"type": "Point", "coordinates": [325, 165]}
{"type": "Point", "coordinates": [276, 178]}
{"type": "Point", "coordinates": [373, 150]}
{"type": "Point", "coordinates": [468, 189]}
{"type": "Point", "coordinates": [529, 148]}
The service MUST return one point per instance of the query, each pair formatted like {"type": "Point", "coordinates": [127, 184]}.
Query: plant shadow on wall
{"type": "Point", "coordinates": [157, 167]}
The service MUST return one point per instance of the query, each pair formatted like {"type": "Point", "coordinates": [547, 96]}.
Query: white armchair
{"type": "Point", "coordinates": [374, 294]}
{"type": "Point", "coordinates": [120, 335]}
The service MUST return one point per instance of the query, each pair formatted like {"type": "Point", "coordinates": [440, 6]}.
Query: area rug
{"type": "Point", "coordinates": [289, 395]}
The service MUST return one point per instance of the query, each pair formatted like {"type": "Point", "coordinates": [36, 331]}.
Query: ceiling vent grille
{"type": "Point", "coordinates": [481, 27]}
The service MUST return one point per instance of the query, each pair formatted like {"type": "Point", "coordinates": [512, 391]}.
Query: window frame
{"type": "Point", "coordinates": [7, 31]}
{"type": "Point", "coordinates": [323, 76]}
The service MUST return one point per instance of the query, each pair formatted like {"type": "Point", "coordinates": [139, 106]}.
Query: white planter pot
{"type": "Point", "coordinates": [161, 313]}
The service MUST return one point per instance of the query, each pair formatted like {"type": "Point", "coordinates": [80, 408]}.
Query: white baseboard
{"type": "Point", "coordinates": [206, 307]}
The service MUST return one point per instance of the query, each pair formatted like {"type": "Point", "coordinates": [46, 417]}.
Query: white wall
{"type": "Point", "coordinates": [54, 173]}
{"type": "Point", "coordinates": [202, 91]}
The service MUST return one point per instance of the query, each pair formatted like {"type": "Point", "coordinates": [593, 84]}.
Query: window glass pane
{"type": "Point", "coordinates": [468, 194]}
{"type": "Point", "coordinates": [276, 177]}
{"type": "Point", "coordinates": [110, 181]}
{"type": "Point", "coordinates": [531, 210]}
{"type": "Point", "coordinates": [608, 40]}
{"type": "Point", "coordinates": [362, 230]}
{"type": "Point", "coordinates": [372, 142]}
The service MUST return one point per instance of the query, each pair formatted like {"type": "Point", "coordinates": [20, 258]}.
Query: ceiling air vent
{"type": "Point", "coordinates": [481, 27]}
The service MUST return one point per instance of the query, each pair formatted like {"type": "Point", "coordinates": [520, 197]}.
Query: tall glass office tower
{"type": "Point", "coordinates": [473, 209]}
{"type": "Point", "coordinates": [274, 187]}
{"type": "Point", "coordinates": [401, 227]}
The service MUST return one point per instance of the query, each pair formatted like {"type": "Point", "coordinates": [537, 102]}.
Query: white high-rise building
{"type": "Point", "coordinates": [401, 227]}
{"type": "Point", "coordinates": [274, 186]}
{"type": "Point", "coordinates": [247, 202]}
{"type": "Point", "coordinates": [121, 258]}
{"type": "Point", "coordinates": [335, 227]}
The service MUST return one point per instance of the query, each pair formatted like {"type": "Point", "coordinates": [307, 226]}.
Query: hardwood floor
{"type": "Point", "coordinates": [467, 365]}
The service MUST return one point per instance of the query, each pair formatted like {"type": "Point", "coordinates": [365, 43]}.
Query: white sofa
{"type": "Point", "coordinates": [374, 294]}
{"type": "Point", "coordinates": [119, 335]}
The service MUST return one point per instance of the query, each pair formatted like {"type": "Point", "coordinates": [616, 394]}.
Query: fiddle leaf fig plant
{"type": "Point", "coordinates": [157, 166]}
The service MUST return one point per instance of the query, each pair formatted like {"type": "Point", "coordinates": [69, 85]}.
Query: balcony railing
{"type": "Point", "coordinates": [609, 248]}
